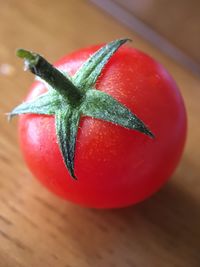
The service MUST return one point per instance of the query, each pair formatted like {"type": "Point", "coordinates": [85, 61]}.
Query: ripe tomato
{"type": "Point", "coordinates": [115, 166]}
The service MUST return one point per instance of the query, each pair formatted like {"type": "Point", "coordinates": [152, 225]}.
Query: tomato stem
{"type": "Point", "coordinates": [56, 79]}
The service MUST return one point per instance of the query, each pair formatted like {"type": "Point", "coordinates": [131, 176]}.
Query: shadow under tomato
{"type": "Point", "coordinates": [161, 231]}
{"type": "Point", "coordinates": [164, 229]}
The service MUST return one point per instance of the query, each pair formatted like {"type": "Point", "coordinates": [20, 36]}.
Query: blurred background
{"type": "Point", "coordinates": [172, 26]}
{"type": "Point", "coordinates": [37, 228]}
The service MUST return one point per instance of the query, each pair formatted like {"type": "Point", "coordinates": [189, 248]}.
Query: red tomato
{"type": "Point", "coordinates": [115, 166]}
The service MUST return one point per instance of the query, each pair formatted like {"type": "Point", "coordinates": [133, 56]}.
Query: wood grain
{"type": "Point", "coordinates": [37, 228]}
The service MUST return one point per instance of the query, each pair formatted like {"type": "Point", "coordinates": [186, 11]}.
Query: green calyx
{"type": "Point", "coordinates": [69, 98]}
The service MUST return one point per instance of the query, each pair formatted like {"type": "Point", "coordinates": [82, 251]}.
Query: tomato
{"type": "Point", "coordinates": [115, 166]}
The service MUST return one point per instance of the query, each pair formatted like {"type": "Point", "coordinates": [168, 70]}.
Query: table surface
{"type": "Point", "coordinates": [37, 228]}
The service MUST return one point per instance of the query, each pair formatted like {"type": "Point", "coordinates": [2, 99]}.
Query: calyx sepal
{"type": "Point", "coordinates": [68, 98]}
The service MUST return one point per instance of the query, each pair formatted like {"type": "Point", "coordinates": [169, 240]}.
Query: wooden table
{"type": "Point", "coordinates": [37, 228]}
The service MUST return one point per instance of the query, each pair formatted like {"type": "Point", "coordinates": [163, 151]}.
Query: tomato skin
{"type": "Point", "coordinates": [115, 167]}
